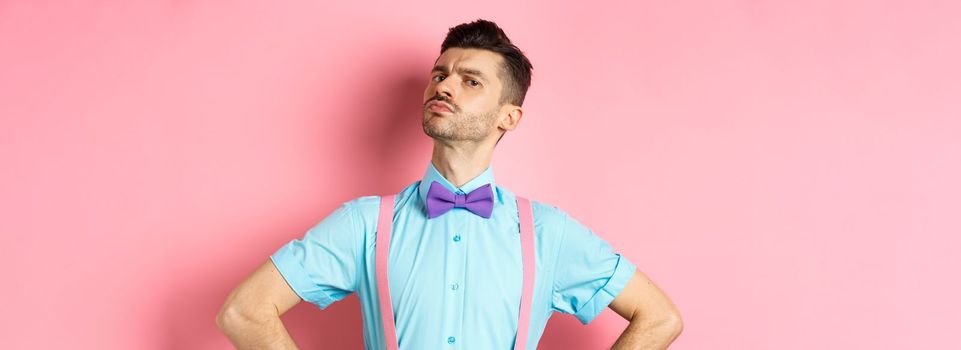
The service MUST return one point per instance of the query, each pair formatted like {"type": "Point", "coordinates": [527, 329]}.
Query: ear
{"type": "Point", "coordinates": [510, 116]}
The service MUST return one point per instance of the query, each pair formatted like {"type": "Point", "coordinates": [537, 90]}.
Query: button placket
{"type": "Point", "coordinates": [454, 275]}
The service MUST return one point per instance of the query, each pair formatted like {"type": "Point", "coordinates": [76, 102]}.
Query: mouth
{"type": "Point", "coordinates": [439, 107]}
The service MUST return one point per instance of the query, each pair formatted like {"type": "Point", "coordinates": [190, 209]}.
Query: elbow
{"type": "Point", "coordinates": [673, 324]}
{"type": "Point", "coordinates": [235, 316]}
{"type": "Point", "coordinates": [670, 325]}
{"type": "Point", "coordinates": [232, 317]}
{"type": "Point", "coordinates": [226, 317]}
{"type": "Point", "coordinates": [677, 326]}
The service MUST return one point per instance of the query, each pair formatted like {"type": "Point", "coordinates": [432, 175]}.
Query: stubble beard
{"type": "Point", "coordinates": [459, 126]}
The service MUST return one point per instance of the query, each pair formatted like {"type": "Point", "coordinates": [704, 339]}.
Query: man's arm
{"type": "Point", "coordinates": [251, 315]}
{"type": "Point", "coordinates": [655, 321]}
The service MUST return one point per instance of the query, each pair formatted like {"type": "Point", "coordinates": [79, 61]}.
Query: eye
{"type": "Point", "coordinates": [438, 77]}
{"type": "Point", "coordinates": [473, 82]}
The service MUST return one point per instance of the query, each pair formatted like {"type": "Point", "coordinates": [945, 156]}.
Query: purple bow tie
{"type": "Point", "coordinates": [479, 201]}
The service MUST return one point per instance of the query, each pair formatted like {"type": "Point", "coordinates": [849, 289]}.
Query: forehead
{"type": "Point", "coordinates": [457, 59]}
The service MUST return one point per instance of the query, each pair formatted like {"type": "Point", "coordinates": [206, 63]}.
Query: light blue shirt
{"type": "Point", "coordinates": [455, 280]}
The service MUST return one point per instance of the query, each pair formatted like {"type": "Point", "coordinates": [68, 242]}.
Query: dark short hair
{"type": "Point", "coordinates": [484, 34]}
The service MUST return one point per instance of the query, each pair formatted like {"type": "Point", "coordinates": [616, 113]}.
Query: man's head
{"type": "Point", "coordinates": [477, 85]}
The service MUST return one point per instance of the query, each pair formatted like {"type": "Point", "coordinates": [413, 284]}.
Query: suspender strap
{"type": "Point", "coordinates": [384, 222]}
{"type": "Point", "coordinates": [526, 216]}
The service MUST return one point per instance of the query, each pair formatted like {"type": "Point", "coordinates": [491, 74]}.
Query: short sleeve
{"type": "Point", "coordinates": [589, 274]}
{"type": "Point", "coordinates": [322, 266]}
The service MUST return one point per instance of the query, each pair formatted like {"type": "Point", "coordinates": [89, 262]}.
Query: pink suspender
{"type": "Point", "coordinates": [526, 215]}
{"type": "Point", "coordinates": [384, 222]}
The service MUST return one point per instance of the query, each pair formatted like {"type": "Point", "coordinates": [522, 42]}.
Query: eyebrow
{"type": "Point", "coordinates": [465, 71]}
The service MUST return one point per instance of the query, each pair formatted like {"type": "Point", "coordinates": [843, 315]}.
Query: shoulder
{"type": "Point", "coordinates": [547, 212]}
{"type": "Point", "coordinates": [551, 218]}
{"type": "Point", "coordinates": [363, 206]}
{"type": "Point", "coordinates": [365, 209]}
{"type": "Point", "coordinates": [548, 218]}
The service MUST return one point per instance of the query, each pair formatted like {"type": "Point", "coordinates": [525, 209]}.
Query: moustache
{"type": "Point", "coordinates": [444, 99]}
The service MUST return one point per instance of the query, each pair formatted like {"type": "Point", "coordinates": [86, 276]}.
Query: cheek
{"type": "Point", "coordinates": [429, 90]}
{"type": "Point", "coordinates": [427, 93]}
{"type": "Point", "coordinates": [490, 104]}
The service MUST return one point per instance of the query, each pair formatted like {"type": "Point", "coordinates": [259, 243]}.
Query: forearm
{"type": "Point", "coordinates": [643, 334]}
{"type": "Point", "coordinates": [262, 330]}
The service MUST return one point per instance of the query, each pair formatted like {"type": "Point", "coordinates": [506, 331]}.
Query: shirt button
{"type": "Point", "coordinates": [457, 238]}
{"type": "Point", "coordinates": [450, 340]}
{"type": "Point", "coordinates": [454, 286]}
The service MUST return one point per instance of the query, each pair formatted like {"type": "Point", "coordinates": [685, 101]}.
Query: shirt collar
{"type": "Point", "coordinates": [431, 175]}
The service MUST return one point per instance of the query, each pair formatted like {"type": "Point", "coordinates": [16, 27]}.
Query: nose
{"type": "Point", "coordinates": [444, 88]}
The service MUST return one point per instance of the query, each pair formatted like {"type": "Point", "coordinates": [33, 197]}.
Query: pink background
{"type": "Point", "coordinates": [787, 172]}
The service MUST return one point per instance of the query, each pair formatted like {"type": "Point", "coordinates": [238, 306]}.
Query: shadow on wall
{"type": "Point", "coordinates": [385, 117]}
{"type": "Point", "coordinates": [390, 141]}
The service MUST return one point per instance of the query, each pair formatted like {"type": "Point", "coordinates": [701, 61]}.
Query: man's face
{"type": "Point", "coordinates": [461, 102]}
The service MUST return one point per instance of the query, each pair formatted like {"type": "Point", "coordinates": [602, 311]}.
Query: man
{"type": "Point", "coordinates": [455, 275]}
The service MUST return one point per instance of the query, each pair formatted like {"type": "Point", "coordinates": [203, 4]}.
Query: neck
{"type": "Point", "coordinates": [461, 162]}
